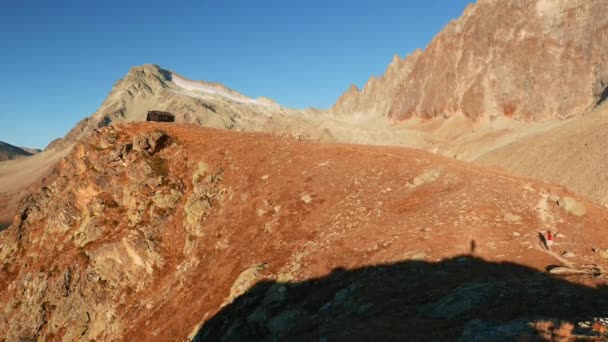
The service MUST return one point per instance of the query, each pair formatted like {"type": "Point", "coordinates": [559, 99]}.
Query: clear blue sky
{"type": "Point", "coordinates": [59, 59]}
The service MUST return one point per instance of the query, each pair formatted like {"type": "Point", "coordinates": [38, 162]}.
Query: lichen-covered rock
{"type": "Point", "coordinates": [101, 189]}
{"type": "Point", "coordinates": [151, 142]}
{"type": "Point", "coordinates": [207, 194]}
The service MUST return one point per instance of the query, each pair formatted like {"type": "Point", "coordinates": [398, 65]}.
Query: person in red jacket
{"type": "Point", "coordinates": [549, 240]}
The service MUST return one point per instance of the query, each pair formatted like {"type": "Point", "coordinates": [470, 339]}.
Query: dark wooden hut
{"type": "Point", "coordinates": [155, 115]}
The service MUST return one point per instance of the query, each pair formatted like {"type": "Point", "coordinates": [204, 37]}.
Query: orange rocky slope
{"type": "Point", "coordinates": [160, 235]}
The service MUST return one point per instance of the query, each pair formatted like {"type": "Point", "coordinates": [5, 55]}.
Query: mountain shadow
{"type": "Point", "coordinates": [463, 298]}
{"type": "Point", "coordinates": [602, 97]}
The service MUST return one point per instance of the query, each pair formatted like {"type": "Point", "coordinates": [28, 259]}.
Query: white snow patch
{"type": "Point", "coordinates": [199, 90]}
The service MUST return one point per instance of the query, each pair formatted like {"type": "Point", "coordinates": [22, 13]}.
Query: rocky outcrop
{"type": "Point", "coordinates": [207, 195]}
{"type": "Point", "coordinates": [529, 60]}
{"type": "Point", "coordinates": [148, 143]}
{"type": "Point", "coordinates": [81, 216]}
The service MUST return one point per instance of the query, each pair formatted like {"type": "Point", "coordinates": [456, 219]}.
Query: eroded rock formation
{"type": "Point", "coordinates": [529, 60]}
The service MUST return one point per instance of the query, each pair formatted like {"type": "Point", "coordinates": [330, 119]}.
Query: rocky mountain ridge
{"type": "Point", "coordinates": [10, 152]}
{"type": "Point", "coordinates": [529, 60]}
{"type": "Point", "coordinates": [149, 87]}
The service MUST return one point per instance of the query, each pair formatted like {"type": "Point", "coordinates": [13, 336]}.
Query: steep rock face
{"type": "Point", "coordinates": [378, 94]}
{"type": "Point", "coordinates": [529, 60]}
{"type": "Point", "coordinates": [150, 230]}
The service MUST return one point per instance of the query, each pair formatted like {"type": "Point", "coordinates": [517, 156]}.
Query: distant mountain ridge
{"type": "Point", "coordinates": [31, 150]}
{"type": "Point", "coordinates": [11, 152]}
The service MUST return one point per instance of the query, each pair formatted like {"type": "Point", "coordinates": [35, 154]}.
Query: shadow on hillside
{"type": "Point", "coordinates": [411, 300]}
{"type": "Point", "coordinates": [603, 97]}
{"type": "Point", "coordinates": [4, 225]}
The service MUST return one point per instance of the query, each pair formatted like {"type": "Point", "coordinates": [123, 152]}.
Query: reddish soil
{"type": "Point", "coordinates": [362, 213]}
{"type": "Point", "coordinates": [306, 210]}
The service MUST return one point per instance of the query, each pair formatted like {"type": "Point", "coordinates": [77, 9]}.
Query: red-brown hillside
{"type": "Point", "coordinates": [145, 235]}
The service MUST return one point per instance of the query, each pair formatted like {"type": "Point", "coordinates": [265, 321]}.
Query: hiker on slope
{"type": "Point", "coordinates": [549, 240]}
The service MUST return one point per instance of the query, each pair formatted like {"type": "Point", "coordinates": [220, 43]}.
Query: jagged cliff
{"type": "Point", "coordinates": [378, 94]}
{"type": "Point", "coordinates": [162, 231]}
{"type": "Point", "coordinates": [530, 60]}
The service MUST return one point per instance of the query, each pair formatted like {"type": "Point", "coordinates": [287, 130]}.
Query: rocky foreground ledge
{"type": "Point", "coordinates": [172, 232]}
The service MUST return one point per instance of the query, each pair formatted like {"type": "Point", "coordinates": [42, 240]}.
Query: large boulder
{"type": "Point", "coordinates": [151, 142]}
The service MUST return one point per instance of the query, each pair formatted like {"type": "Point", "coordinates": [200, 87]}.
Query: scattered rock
{"type": "Point", "coordinates": [265, 177]}
{"type": "Point", "coordinates": [121, 152]}
{"type": "Point", "coordinates": [566, 271]}
{"type": "Point", "coordinates": [307, 198]}
{"type": "Point", "coordinates": [151, 142]}
{"type": "Point", "coordinates": [167, 198]}
{"type": "Point", "coordinates": [568, 255]}
{"type": "Point", "coordinates": [554, 198]}
{"type": "Point", "coordinates": [419, 256]}
{"type": "Point", "coordinates": [508, 217]}
{"type": "Point", "coordinates": [602, 253]}
{"type": "Point", "coordinates": [427, 177]}
{"type": "Point", "coordinates": [572, 207]}
{"type": "Point", "coordinates": [245, 280]}
{"type": "Point", "coordinates": [516, 234]}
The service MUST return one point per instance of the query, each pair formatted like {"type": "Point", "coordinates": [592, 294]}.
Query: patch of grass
{"type": "Point", "coordinates": [159, 166]}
